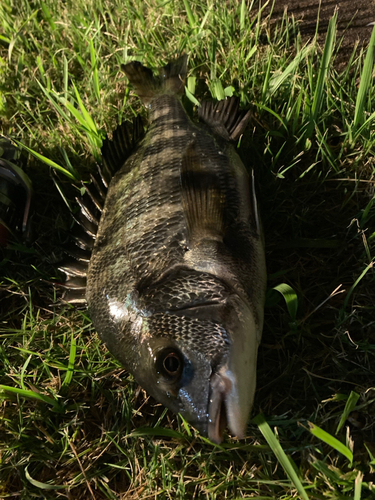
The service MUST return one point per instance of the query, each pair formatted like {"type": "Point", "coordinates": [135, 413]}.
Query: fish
{"type": "Point", "coordinates": [175, 284]}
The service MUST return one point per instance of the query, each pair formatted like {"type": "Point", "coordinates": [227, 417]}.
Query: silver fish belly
{"type": "Point", "coordinates": [176, 281]}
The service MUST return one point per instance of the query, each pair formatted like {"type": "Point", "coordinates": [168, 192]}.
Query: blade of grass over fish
{"type": "Point", "coordinates": [359, 114]}
{"type": "Point", "coordinates": [6, 391]}
{"type": "Point", "coordinates": [284, 461]}
{"type": "Point", "coordinates": [290, 298]}
{"type": "Point", "coordinates": [349, 407]}
{"type": "Point", "coordinates": [43, 486]}
{"type": "Point", "coordinates": [46, 160]}
{"type": "Point", "coordinates": [331, 441]}
{"type": "Point", "coordinates": [319, 91]}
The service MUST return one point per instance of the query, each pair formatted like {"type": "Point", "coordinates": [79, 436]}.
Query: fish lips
{"type": "Point", "coordinates": [220, 387]}
{"type": "Point", "coordinates": [224, 408]}
{"type": "Point", "coordinates": [220, 406]}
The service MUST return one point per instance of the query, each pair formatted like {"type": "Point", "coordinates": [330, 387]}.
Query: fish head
{"type": "Point", "coordinates": [203, 369]}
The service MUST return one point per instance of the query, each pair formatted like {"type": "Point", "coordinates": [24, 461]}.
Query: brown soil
{"type": "Point", "coordinates": [354, 17]}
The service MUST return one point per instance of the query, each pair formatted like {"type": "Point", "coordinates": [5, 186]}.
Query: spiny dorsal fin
{"type": "Point", "coordinates": [117, 150]}
{"type": "Point", "coordinates": [203, 200]}
{"type": "Point", "coordinates": [225, 118]}
{"type": "Point", "coordinates": [114, 153]}
{"type": "Point", "coordinates": [170, 80]}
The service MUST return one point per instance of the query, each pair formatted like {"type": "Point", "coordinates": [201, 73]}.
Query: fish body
{"type": "Point", "coordinates": [176, 279]}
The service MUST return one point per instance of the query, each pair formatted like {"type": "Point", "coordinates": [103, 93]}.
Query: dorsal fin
{"type": "Point", "coordinates": [115, 152]}
{"type": "Point", "coordinates": [202, 198]}
{"type": "Point", "coordinates": [170, 80]}
{"type": "Point", "coordinates": [225, 117]}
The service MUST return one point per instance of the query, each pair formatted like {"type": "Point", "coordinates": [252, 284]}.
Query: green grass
{"type": "Point", "coordinates": [73, 423]}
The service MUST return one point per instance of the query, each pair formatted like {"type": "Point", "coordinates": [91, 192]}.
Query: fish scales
{"type": "Point", "coordinates": [176, 279]}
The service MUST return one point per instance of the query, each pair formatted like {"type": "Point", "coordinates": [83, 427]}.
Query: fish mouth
{"type": "Point", "coordinates": [221, 386]}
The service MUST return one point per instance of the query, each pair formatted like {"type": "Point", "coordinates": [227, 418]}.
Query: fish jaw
{"type": "Point", "coordinates": [232, 387]}
{"type": "Point", "coordinates": [209, 396]}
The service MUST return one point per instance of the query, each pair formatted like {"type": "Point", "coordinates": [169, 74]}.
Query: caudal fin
{"type": "Point", "coordinates": [170, 80]}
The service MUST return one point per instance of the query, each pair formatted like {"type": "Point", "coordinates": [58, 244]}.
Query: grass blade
{"type": "Point", "coordinates": [46, 160]}
{"type": "Point", "coordinates": [275, 446]}
{"type": "Point", "coordinates": [191, 17]}
{"type": "Point", "coordinates": [94, 66]}
{"type": "Point", "coordinates": [358, 486]}
{"type": "Point", "coordinates": [44, 486]}
{"type": "Point", "coordinates": [156, 432]}
{"type": "Point", "coordinates": [47, 16]}
{"type": "Point", "coordinates": [290, 298]}
{"type": "Point", "coordinates": [359, 114]}
{"type": "Point", "coordinates": [276, 81]}
{"type": "Point", "coordinates": [72, 357]}
{"type": "Point", "coordinates": [191, 97]}
{"type": "Point", "coordinates": [351, 289]}
{"type": "Point", "coordinates": [27, 394]}
{"type": "Point", "coordinates": [23, 371]}
{"type": "Point", "coordinates": [322, 76]}
{"type": "Point", "coordinates": [86, 115]}
{"type": "Point", "coordinates": [242, 15]}
{"type": "Point", "coordinates": [324, 65]}
{"type": "Point", "coordinates": [331, 441]}
{"type": "Point", "coordinates": [349, 407]}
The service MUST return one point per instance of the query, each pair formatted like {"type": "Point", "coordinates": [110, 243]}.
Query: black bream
{"type": "Point", "coordinates": [176, 280]}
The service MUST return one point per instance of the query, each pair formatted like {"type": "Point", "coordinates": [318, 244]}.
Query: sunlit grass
{"type": "Point", "coordinates": [73, 424]}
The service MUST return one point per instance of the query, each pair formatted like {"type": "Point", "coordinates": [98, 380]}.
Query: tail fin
{"type": "Point", "coordinates": [171, 79]}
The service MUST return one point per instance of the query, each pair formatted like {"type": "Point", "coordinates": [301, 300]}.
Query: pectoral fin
{"type": "Point", "coordinates": [203, 200]}
{"type": "Point", "coordinates": [225, 117]}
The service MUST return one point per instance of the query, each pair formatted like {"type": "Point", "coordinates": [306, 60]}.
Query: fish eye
{"type": "Point", "coordinates": [169, 364]}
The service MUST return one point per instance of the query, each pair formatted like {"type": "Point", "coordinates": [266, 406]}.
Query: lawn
{"type": "Point", "coordinates": [73, 423]}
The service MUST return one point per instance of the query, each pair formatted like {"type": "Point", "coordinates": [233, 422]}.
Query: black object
{"type": "Point", "coordinates": [15, 194]}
